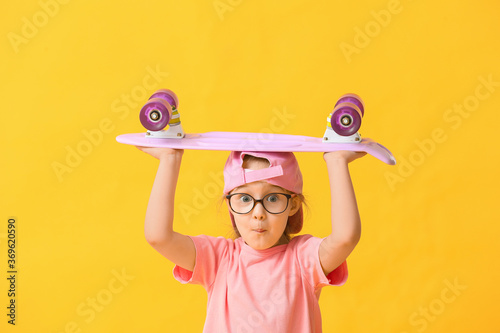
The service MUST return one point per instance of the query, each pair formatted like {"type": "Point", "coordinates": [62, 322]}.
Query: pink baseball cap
{"type": "Point", "coordinates": [283, 171]}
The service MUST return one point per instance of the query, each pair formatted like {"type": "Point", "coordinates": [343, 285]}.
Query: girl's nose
{"type": "Point", "coordinates": [258, 211]}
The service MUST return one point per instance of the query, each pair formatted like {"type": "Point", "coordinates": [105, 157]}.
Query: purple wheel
{"type": "Point", "coordinates": [167, 95]}
{"type": "Point", "coordinates": [155, 114]}
{"type": "Point", "coordinates": [354, 99]}
{"type": "Point", "coordinates": [346, 119]}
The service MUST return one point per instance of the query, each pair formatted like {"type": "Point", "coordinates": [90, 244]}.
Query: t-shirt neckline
{"type": "Point", "coordinates": [262, 253]}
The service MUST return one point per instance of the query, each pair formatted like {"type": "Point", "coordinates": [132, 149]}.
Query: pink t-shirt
{"type": "Point", "coordinates": [273, 290]}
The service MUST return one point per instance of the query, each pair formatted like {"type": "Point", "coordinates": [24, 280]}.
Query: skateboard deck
{"type": "Point", "coordinates": [240, 141]}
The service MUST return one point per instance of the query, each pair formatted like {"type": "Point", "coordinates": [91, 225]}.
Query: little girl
{"type": "Point", "coordinates": [264, 281]}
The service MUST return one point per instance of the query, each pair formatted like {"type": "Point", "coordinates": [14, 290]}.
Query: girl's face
{"type": "Point", "coordinates": [259, 228]}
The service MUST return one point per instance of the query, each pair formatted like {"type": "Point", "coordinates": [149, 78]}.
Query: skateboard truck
{"type": "Point", "coordinates": [331, 136]}
{"type": "Point", "coordinates": [344, 121]}
{"type": "Point", "coordinates": [159, 112]}
{"type": "Point", "coordinates": [174, 130]}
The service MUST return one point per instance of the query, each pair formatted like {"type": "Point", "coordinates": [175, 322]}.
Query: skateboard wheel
{"type": "Point", "coordinates": [155, 114]}
{"type": "Point", "coordinates": [354, 99]}
{"type": "Point", "coordinates": [167, 95]}
{"type": "Point", "coordinates": [346, 119]}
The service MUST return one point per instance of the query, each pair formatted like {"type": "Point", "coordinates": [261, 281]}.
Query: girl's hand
{"type": "Point", "coordinates": [161, 153]}
{"type": "Point", "coordinates": [343, 155]}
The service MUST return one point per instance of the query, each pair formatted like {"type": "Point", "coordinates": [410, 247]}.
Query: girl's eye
{"type": "Point", "coordinates": [272, 198]}
{"type": "Point", "coordinates": [246, 198]}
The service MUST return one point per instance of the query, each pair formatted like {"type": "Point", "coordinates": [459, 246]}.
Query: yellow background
{"type": "Point", "coordinates": [429, 223]}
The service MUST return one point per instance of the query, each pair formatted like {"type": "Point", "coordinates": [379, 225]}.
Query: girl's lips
{"type": "Point", "coordinates": [259, 230]}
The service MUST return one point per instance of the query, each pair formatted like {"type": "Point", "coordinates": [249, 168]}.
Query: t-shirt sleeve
{"type": "Point", "coordinates": [308, 253]}
{"type": "Point", "coordinates": [209, 253]}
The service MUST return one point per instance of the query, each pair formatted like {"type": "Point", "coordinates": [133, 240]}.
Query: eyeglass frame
{"type": "Point", "coordinates": [261, 201]}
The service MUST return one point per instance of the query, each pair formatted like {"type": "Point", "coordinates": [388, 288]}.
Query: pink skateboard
{"type": "Point", "coordinates": [341, 132]}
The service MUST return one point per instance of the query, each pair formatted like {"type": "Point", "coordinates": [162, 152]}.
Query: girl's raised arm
{"type": "Point", "coordinates": [158, 227]}
{"type": "Point", "coordinates": [346, 224]}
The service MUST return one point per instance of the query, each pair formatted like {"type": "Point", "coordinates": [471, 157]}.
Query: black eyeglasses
{"type": "Point", "coordinates": [273, 203]}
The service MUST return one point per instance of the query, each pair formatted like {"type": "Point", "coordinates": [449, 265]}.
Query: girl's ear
{"type": "Point", "coordinates": [295, 203]}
